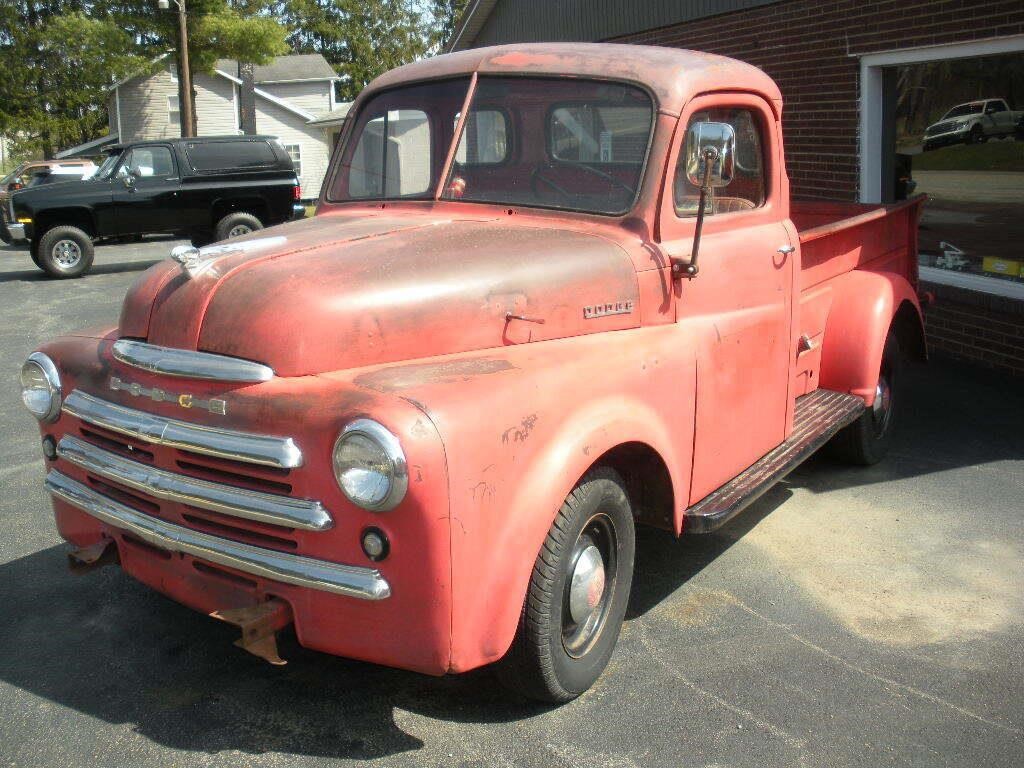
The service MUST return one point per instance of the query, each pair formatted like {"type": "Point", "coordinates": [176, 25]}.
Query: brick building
{"type": "Point", "coordinates": [837, 64]}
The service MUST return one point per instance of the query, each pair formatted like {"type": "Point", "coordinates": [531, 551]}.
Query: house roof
{"type": "Point", "coordinates": [332, 116]}
{"type": "Point", "coordinates": [94, 147]}
{"type": "Point", "coordinates": [284, 69]}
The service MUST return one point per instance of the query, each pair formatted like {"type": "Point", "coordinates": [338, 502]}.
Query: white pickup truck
{"type": "Point", "coordinates": [973, 123]}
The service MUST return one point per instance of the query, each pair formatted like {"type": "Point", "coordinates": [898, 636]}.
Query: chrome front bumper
{"type": "Point", "coordinates": [349, 580]}
{"type": "Point", "coordinates": [16, 231]}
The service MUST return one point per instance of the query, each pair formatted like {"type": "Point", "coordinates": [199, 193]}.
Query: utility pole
{"type": "Point", "coordinates": [187, 111]}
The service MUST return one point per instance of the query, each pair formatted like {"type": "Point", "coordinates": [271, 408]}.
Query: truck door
{"type": "Point", "coordinates": [1001, 117]}
{"type": "Point", "coordinates": [145, 192]}
{"type": "Point", "coordinates": [737, 309]}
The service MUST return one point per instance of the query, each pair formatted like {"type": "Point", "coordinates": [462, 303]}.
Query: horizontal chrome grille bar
{"type": "Point", "coordinates": [350, 580]}
{"type": "Point", "coordinates": [168, 486]}
{"type": "Point", "coordinates": [189, 364]}
{"type": "Point", "coordinates": [211, 441]}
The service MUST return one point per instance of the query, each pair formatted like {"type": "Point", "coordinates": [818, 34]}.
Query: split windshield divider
{"type": "Point", "coordinates": [442, 179]}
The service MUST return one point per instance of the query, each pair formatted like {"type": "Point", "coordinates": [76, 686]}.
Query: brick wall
{"type": "Point", "coordinates": [985, 330]}
{"type": "Point", "coordinates": [810, 48]}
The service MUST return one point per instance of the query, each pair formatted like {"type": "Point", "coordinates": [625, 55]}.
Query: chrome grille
{"type": "Point", "coordinates": [245, 447]}
{"type": "Point", "coordinates": [168, 486]}
{"type": "Point", "coordinates": [204, 511]}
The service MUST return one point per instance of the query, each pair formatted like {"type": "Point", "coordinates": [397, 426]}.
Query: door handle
{"type": "Point", "coordinates": [787, 249]}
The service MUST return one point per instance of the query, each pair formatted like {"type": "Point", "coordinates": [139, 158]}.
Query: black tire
{"type": "Point", "coordinates": [65, 252]}
{"type": "Point", "coordinates": [233, 224]}
{"type": "Point", "coordinates": [866, 441]}
{"type": "Point", "coordinates": [562, 645]}
{"type": "Point", "coordinates": [976, 136]}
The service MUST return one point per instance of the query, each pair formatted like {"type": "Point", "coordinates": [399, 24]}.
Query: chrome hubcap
{"type": "Point", "coordinates": [881, 409]}
{"type": "Point", "coordinates": [239, 229]}
{"type": "Point", "coordinates": [66, 253]}
{"type": "Point", "coordinates": [587, 585]}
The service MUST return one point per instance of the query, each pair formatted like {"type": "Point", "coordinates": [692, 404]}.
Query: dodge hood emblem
{"type": "Point", "coordinates": [195, 261]}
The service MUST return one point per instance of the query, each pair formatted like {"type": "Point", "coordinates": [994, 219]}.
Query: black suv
{"type": "Point", "coordinates": [207, 189]}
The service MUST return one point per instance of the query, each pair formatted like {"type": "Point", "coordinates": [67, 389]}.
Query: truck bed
{"type": "Point", "coordinates": [836, 237]}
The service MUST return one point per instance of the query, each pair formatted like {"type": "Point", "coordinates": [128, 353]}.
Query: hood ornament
{"type": "Point", "coordinates": [186, 255]}
{"type": "Point", "coordinates": [195, 261]}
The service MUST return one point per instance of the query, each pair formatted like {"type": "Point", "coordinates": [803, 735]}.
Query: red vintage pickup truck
{"type": "Point", "coordinates": [551, 292]}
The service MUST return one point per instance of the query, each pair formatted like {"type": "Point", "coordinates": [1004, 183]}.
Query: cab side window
{"type": "Point", "coordinates": [748, 189]}
{"type": "Point", "coordinates": [146, 162]}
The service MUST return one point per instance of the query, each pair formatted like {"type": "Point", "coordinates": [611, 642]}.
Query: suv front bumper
{"type": "Point", "coordinates": [16, 232]}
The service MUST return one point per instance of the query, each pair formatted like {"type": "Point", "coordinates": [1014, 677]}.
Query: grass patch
{"type": "Point", "coordinates": [990, 156]}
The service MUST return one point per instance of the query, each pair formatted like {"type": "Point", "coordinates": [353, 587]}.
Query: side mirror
{"type": "Point", "coordinates": [710, 163]}
{"type": "Point", "coordinates": [714, 145]}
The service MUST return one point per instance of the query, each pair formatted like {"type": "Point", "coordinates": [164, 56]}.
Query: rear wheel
{"type": "Point", "coordinates": [577, 595]}
{"type": "Point", "coordinates": [65, 252]}
{"type": "Point", "coordinates": [236, 225]}
{"type": "Point", "coordinates": [867, 440]}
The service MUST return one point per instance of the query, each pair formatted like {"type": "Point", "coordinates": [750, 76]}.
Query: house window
{"type": "Point", "coordinates": [295, 153]}
{"type": "Point", "coordinates": [173, 111]}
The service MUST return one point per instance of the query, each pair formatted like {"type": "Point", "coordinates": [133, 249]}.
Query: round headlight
{"type": "Point", "coordinates": [40, 387]}
{"type": "Point", "coordinates": [370, 466]}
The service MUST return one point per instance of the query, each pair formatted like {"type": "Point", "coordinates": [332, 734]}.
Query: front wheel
{"type": "Point", "coordinates": [577, 596]}
{"type": "Point", "coordinates": [65, 252]}
{"type": "Point", "coordinates": [866, 441]}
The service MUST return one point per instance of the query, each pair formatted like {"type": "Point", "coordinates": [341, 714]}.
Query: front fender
{"type": "Point", "coordinates": [863, 309]}
{"type": "Point", "coordinates": [485, 627]}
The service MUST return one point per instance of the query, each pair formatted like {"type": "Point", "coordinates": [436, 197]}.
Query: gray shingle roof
{"type": "Point", "coordinates": [304, 66]}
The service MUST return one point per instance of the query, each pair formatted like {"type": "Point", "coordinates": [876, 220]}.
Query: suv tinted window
{"type": "Point", "coordinates": [230, 155]}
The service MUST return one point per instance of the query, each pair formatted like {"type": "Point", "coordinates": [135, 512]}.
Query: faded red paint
{"type": "Point", "coordinates": [401, 312]}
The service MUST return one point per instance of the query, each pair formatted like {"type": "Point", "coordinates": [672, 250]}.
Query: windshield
{"type": "Point", "coordinates": [962, 110]}
{"type": "Point", "coordinates": [544, 142]}
{"type": "Point", "coordinates": [104, 171]}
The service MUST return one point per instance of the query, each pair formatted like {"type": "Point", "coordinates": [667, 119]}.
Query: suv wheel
{"type": "Point", "coordinates": [65, 252]}
{"type": "Point", "coordinates": [236, 225]}
{"type": "Point", "coordinates": [577, 595]}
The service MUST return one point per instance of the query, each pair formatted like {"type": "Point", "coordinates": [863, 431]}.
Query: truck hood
{"type": "Point", "coordinates": [342, 291]}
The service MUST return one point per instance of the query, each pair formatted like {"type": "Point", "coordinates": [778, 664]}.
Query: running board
{"type": "Point", "coordinates": [819, 416]}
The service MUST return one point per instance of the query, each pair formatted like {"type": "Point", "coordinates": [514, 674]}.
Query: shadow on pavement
{"type": "Point", "coordinates": [37, 275]}
{"type": "Point", "coordinates": [105, 646]}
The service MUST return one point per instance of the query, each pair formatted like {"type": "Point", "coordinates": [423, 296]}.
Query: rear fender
{"type": "Point", "coordinates": [484, 629]}
{"type": "Point", "coordinates": [865, 305]}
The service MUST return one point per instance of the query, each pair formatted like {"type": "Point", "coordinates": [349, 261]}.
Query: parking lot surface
{"type": "Point", "coordinates": [852, 617]}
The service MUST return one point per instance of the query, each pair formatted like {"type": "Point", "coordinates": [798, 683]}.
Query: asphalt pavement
{"type": "Point", "coordinates": [852, 617]}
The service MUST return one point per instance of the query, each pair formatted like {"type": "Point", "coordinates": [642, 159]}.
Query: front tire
{"type": "Point", "coordinates": [65, 252]}
{"type": "Point", "coordinates": [236, 225]}
{"type": "Point", "coordinates": [577, 596]}
{"type": "Point", "coordinates": [866, 441]}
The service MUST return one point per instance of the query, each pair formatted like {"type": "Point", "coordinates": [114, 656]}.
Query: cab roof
{"type": "Point", "coordinates": [673, 75]}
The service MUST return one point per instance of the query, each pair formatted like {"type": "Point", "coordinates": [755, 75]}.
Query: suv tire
{"type": "Point", "coordinates": [65, 252]}
{"type": "Point", "coordinates": [577, 596]}
{"type": "Point", "coordinates": [236, 225]}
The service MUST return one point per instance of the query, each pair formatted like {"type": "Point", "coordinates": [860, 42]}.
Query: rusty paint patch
{"type": "Point", "coordinates": [521, 432]}
{"type": "Point", "coordinates": [400, 377]}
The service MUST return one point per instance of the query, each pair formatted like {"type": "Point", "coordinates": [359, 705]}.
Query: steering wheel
{"type": "Point", "coordinates": [538, 176]}
{"type": "Point", "coordinates": [607, 177]}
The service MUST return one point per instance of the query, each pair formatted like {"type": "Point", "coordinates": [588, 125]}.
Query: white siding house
{"type": "Point", "coordinates": [293, 96]}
